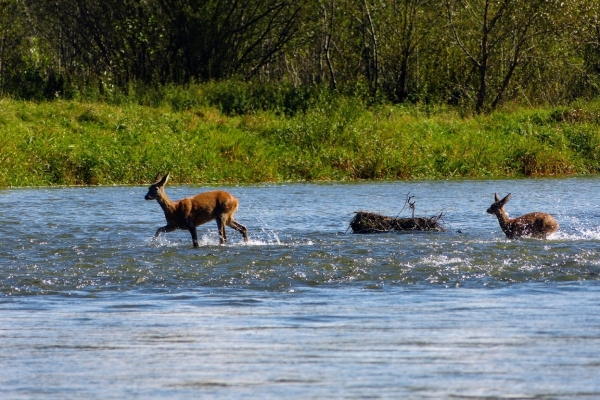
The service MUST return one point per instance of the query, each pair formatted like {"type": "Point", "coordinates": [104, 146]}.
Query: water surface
{"type": "Point", "coordinates": [90, 309]}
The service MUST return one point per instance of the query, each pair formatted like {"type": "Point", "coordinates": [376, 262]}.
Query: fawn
{"type": "Point", "coordinates": [535, 224]}
{"type": "Point", "coordinates": [190, 212]}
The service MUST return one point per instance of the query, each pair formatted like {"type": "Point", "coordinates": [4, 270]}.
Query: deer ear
{"type": "Point", "coordinates": [505, 200]}
{"type": "Point", "coordinates": [165, 179]}
{"type": "Point", "coordinates": [496, 198]}
{"type": "Point", "coordinates": [158, 177]}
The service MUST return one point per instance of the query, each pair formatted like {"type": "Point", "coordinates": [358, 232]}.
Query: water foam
{"type": "Point", "coordinates": [267, 238]}
{"type": "Point", "coordinates": [580, 233]}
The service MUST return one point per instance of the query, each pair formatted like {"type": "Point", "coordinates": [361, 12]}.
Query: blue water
{"type": "Point", "coordinates": [306, 309]}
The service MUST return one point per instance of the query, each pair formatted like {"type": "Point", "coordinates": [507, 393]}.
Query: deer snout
{"type": "Point", "coordinates": [148, 197]}
{"type": "Point", "coordinates": [490, 211]}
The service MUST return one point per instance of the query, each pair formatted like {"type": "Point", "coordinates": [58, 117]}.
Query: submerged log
{"type": "Point", "coordinates": [367, 222]}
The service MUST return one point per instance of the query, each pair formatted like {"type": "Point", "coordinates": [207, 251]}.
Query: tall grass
{"type": "Point", "coordinates": [215, 134]}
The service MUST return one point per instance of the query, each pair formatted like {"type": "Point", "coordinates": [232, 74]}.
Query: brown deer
{"type": "Point", "coordinates": [192, 211]}
{"type": "Point", "coordinates": [536, 224]}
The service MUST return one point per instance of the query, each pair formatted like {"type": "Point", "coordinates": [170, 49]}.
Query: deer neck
{"type": "Point", "coordinates": [166, 204]}
{"type": "Point", "coordinates": [504, 220]}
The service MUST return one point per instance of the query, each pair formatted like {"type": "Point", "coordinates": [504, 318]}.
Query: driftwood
{"type": "Point", "coordinates": [367, 222]}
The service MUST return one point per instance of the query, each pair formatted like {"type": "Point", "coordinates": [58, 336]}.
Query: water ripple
{"type": "Point", "coordinates": [293, 245]}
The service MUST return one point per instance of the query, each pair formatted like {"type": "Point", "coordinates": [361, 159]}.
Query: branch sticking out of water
{"type": "Point", "coordinates": [368, 222]}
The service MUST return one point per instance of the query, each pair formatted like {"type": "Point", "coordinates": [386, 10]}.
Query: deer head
{"type": "Point", "coordinates": [157, 187]}
{"type": "Point", "coordinates": [498, 205]}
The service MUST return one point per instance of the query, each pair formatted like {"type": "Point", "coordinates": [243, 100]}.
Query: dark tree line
{"type": "Point", "coordinates": [473, 53]}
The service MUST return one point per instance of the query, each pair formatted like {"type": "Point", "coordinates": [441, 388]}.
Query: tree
{"type": "Point", "coordinates": [213, 40]}
{"type": "Point", "coordinates": [498, 36]}
{"type": "Point", "coordinates": [17, 64]}
{"type": "Point", "coordinates": [166, 40]}
{"type": "Point", "coordinates": [405, 26]}
{"type": "Point", "coordinates": [586, 40]}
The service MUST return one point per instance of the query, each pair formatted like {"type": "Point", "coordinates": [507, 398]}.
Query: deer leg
{"type": "Point", "coordinates": [221, 228]}
{"type": "Point", "coordinates": [238, 227]}
{"type": "Point", "coordinates": [160, 230]}
{"type": "Point", "coordinates": [194, 234]}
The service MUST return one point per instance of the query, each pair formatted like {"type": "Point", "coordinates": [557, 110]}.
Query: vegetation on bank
{"type": "Point", "coordinates": [111, 91]}
{"type": "Point", "coordinates": [205, 138]}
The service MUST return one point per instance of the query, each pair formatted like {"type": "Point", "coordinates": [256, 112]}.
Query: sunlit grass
{"type": "Point", "coordinates": [334, 138]}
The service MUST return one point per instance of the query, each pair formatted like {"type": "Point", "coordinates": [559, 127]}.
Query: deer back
{"type": "Point", "coordinates": [207, 206]}
{"type": "Point", "coordinates": [535, 224]}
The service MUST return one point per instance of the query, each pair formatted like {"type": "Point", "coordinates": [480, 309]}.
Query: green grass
{"type": "Point", "coordinates": [328, 138]}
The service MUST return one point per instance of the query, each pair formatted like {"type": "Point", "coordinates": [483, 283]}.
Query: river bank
{"type": "Point", "coordinates": [334, 139]}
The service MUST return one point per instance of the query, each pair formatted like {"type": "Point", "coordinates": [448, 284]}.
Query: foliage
{"type": "Point", "coordinates": [477, 55]}
{"type": "Point", "coordinates": [335, 138]}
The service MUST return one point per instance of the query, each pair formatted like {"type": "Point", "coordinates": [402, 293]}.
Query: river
{"type": "Point", "coordinates": [90, 309]}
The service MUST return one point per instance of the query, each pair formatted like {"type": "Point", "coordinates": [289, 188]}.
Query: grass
{"type": "Point", "coordinates": [327, 138]}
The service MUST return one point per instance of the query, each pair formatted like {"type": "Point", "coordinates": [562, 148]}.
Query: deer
{"type": "Point", "coordinates": [190, 212]}
{"type": "Point", "coordinates": [536, 224]}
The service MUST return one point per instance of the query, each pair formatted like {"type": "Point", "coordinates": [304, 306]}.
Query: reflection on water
{"type": "Point", "coordinates": [90, 309]}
